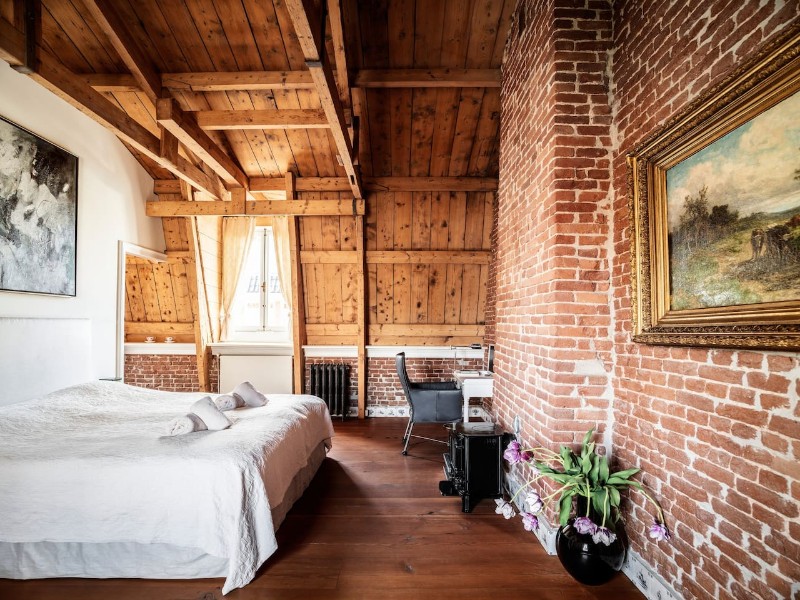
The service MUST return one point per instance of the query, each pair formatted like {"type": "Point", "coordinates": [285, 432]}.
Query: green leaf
{"type": "Point", "coordinates": [566, 458]}
{"type": "Point", "coordinates": [626, 474]}
{"type": "Point", "coordinates": [565, 507]}
{"type": "Point", "coordinates": [613, 480]}
{"type": "Point", "coordinates": [602, 476]}
{"type": "Point", "coordinates": [593, 474]}
{"type": "Point", "coordinates": [598, 498]}
{"type": "Point", "coordinates": [613, 496]}
{"type": "Point", "coordinates": [586, 464]}
{"type": "Point", "coordinates": [588, 437]}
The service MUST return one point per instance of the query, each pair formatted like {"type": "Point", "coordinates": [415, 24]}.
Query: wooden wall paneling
{"type": "Point", "coordinates": [384, 274]}
{"type": "Point", "coordinates": [314, 274]}
{"type": "Point", "coordinates": [483, 158]}
{"type": "Point", "coordinates": [133, 293]}
{"type": "Point", "coordinates": [402, 272]}
{"type": "Point", "coordinates": [488, 220]}
{"type": "Point", "coordinates": [147, 286]}
{"type": "Point", "coordinates": [437, 286]}
{"type": "Point", "coordinates": [371, 241]}
{"type": "Point", "coordinates": [349, 271]}
{"type": "Point", "coordinates": [332, 272]}
{"type": "Point", "coordinates": [185, 312]}
{"type": "Point", "coordinates": [473, 239]}
{"type": "Point", "coordinates": [420, 240]}
{"type": "Point", "coordinates": [455, 273]}
{"type": "Point", "coordinates": [401, 18]}
{"type": "Point", "coordinates": [162, 275]}
{"type": "Point", "coordinates": [466, 123]}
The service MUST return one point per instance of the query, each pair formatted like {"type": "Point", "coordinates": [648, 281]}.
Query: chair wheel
{"type": "Point", "coordinates": [405, 453]}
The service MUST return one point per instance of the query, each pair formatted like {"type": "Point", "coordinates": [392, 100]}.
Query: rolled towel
{"type": "Point", "coordinates": [210, 414]}
{"type": "Point", "coordinates": [250, 395]}
{"type": "Point", "coordinates": [185, 424]}
{"type": "Point", "coordinates": [228, 402]}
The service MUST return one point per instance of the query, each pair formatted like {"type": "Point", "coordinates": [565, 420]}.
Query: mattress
{"type": "Point", "coordinates": [90, 465]}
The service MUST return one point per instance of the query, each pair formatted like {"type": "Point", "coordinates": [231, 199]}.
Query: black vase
{"type": "Point", "coordinates": [590, 563]}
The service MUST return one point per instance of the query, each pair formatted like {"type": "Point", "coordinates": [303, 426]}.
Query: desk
{"type": "Point", "coordinates": [474, 384]}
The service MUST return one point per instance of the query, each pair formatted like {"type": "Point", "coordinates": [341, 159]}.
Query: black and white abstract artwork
{"type": "Point", "coordinates": [38, 214]}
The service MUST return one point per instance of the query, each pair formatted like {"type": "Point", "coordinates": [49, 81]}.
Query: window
{"type": "Point", "coordinates": [259, 310]}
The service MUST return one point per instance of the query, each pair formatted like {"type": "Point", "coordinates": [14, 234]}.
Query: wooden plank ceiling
{"type": "Point", "coordinates": [396, 103]}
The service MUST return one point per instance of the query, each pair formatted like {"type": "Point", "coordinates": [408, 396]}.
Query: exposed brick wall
{"type": "Point", "coordinates": [169, 372]}
{"type": "Point", "coordinates": [553, 323]}
{"type": "Point", "coordinates": [383, 385]}
{"type": "Point", "coordinates": [716, 431]}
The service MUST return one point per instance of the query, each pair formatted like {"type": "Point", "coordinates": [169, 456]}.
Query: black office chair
{"type": "Point", "coordinates": [434, 402]}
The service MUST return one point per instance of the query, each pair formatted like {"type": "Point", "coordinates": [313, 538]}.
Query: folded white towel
{"type": "Point", "coordinates": [250, 395]}
{"type": "Point", "coordinates": [186, 424]}
{"type": "Point", "coordinates": [228, 402]}
{"type": "Point", "coordinates": [210, 414]}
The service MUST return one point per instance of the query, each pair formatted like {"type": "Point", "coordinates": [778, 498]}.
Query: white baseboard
{"type": "Point", "coordinates": [402, 411]}
{"type": "Point", "coordinates": [650, 583]}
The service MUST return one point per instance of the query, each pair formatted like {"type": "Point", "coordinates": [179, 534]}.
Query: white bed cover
{"type": "Point", "coordinates": [90, 463]}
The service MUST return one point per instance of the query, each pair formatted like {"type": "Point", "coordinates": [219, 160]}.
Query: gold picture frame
{"type": "Point", "coordinates": [727, 276]}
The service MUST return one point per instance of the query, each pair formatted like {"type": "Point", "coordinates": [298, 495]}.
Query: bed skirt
{"type": "Point", "coordinates": [39, 560]}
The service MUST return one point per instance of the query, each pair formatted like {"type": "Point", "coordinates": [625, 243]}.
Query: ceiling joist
{"type": "Point", "coordinates": [296, 80]}
{"type": "Point", "coordinates": [292, 118]}
{"type": "Point", "coordinates": [181, 208]}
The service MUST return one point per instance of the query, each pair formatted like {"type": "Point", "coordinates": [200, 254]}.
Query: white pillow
{"type": "Point", "coordinates": [210, 414]}
{"type": "Point", "coordinates": [250, 395]}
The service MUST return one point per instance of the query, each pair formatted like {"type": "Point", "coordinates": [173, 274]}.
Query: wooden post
{"type": "Point", "coordinates": [361, 317]}
{"type": "Point", "coordinates": [298, 297]}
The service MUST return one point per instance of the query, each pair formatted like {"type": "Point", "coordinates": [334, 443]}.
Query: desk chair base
{"type": "Point", "coordinates": [407, 437]}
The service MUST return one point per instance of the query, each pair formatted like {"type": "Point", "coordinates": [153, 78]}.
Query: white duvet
{"type": "Point", "coordinates": [90, 463]}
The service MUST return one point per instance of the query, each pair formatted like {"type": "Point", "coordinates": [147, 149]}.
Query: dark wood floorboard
{"type": "Point", "coordinates": [372, 526]}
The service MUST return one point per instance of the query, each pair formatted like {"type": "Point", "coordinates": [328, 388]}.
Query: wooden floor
{"type": "Point", "coordinates": [372, 526]}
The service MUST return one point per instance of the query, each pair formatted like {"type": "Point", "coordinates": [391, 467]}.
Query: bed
{"type": "Point", "coordinates": [91, 487]}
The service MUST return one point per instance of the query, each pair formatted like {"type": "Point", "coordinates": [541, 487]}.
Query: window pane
{"type": "Point", "coordinates": [277, 311]}
{"type": "Point", "coordinates": [247, 305]}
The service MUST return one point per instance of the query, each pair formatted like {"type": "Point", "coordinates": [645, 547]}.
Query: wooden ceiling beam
{"type": "Point", "coordinates": [185, 127]}
{"type": "Point", "coordinates": [242, 80]}
{"type": "Point", "coordinates": [379, 184]}
{"type": "Point", "coordinates": [128, 48]}
{"type": "Point", "coordinates": [427, 78]}
{"type": "Point", "coordinates": [293, 118]}
{"type": "Point", "coordinates": [304, 25]}
{"type": "Point", "coordinates": [66, 85]}
{"type": "Point", "coordinates": [181, 208]}
{"type": "Point", "coordinates": [295, 80]}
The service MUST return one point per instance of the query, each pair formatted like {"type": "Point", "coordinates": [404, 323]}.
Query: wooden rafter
{"type": "Point", "coordinates": [326, 89]}
{"type": "Point", "coordinates": [339, 54]}
{"type": "Point", "coordinates": [126, 46]}
{"type": "Point", "coordinates": [181, 208]}
{"type": "Point", "coordinates": [293, 118]}
{"type": "Point", "coordinates": [240, 80]}
{"type": "Point", "coordinates": [65, 84]}
{"type": "Point", "coordinates": [184, 126]}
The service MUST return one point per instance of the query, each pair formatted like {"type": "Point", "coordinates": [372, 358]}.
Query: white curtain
{"type": "Point", "coordinates": [280, 235]}
{"type": "Point", "coordinates": [237, 234]}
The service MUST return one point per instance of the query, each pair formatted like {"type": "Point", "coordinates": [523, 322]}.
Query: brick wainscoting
{"type": "Point", "coordinates": [169, 372]}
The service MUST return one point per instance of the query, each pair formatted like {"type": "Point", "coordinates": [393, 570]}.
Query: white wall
{"type": "Point", "coordinates": [112, 190]}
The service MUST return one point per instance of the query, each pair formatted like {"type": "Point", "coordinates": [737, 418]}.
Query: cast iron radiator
{"type": "Point", "coordinates": [331, 382]}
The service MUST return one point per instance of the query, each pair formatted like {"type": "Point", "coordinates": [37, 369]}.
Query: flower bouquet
{"type": "Point", "coordinates": [587, 479]}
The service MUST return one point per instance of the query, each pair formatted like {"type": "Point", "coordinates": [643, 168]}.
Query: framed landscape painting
{"type": "Point", "coordinates": [38, 214]}
{"type": "Point", "coordinates": [715, 200]}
